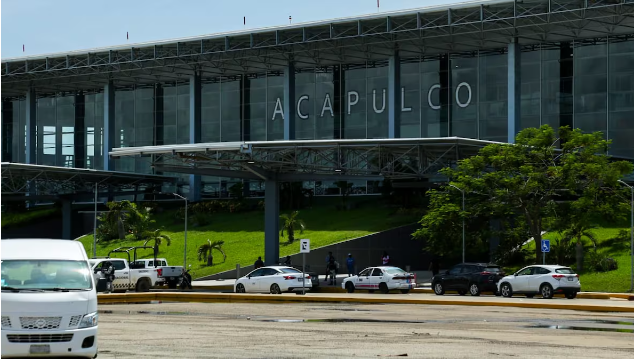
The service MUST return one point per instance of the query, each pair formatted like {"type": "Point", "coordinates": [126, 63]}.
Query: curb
{"type": "Point", "coordinates": [264, 298]}
{"type": "Point", "coordinates": [339, 290]}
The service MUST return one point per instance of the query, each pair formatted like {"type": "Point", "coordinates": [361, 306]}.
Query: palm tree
{"type": "Point", "coordinates": [205, 251]}
{"type": "Point", "coordinates": [291, 223]}
{"type": "Point", "coordinates": [158, 239]}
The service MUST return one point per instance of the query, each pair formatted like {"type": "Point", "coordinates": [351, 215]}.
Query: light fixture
{"type": "Point", "coordinates": [337, 170]}
{"type": "Point", "coordinates": [250, 162]}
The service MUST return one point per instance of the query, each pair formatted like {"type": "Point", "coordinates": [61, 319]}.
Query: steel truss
{"type": "Point", "coordinates": [417, 32]}
{"type": "Point", "coordinates": [37, 181]}
{"type": "Point", "coordinates": [311, 159]}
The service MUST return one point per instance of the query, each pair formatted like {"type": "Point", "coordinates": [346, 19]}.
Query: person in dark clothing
{"type": "Point", "coordinates": [328, 257]}
{"type": "Point", "coordinates": [287, 262]}
{"type": "Point", "coordinates": [434, 266]}
{"type": "Point", "coordinates": [332, 270]}
{"type": "Point", "coordinates": [258, 263]}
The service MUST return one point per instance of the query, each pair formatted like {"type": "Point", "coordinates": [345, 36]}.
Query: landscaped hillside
{"type": "Point", "coordinates": [612, 242]}
{"type": "Point", "coordinates": [243, 234]}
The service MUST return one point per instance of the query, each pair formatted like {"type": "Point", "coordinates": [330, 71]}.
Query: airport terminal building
{"type": "Point", "coordinates": [477, 70]}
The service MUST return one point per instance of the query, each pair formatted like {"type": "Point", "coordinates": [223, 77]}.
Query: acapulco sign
{"type": "Point", "coordinates": [379, 101]}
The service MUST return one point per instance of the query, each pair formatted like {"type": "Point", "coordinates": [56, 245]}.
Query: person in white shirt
{"type": "Point", "coordinates": [386, 259]}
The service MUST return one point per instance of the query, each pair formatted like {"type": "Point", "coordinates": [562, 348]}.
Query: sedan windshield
{"type": "Point", "coordinates": [54, 275]}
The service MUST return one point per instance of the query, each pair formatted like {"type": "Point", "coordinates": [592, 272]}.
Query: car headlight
{"type": "Point", "coordinates": [89, 320]}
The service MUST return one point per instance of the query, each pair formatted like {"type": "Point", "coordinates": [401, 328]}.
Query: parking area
{"type": "Point", "coordinates": [353, 330]}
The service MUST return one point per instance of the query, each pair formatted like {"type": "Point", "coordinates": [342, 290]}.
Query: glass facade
{"type": "Point", "coordinates": [587, 84]}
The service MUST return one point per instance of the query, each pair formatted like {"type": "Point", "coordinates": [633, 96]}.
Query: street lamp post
{"type": "Point", "coordinates": [185, 250]}
{"type": "Point", "coordinates": [631, 234]}
{"type": "Point", "coordinates": [463, 234]}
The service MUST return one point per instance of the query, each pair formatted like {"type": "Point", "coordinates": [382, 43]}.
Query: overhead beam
{"type": "Point", "coordinates": [209, 172]}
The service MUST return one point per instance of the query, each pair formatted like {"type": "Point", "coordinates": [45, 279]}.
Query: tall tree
{"type": "Point", "coordinates": [533, 176]}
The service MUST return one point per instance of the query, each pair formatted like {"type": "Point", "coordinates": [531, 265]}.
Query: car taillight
{"type": "Point", "coordinates": [307, 276]}
{"type": "Point", "coordinates": [159, 272]}
{"type": "Point", "coordinates": [577, 276]}
{"type": "Point", "coordinates": [289, 277]}
{"type": "Point", "coordinates": [485, 273]}
{"type": "Point", "coordinates": [558, 276]}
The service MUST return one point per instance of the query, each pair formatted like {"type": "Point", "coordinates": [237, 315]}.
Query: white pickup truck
{"type": "Point", "coordinates": [126, 278]}
{"type": "Point", "coordinates": [135, 274]}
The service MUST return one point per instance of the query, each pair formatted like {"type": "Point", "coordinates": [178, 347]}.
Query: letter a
{"type": "Point", "coordinates": [278, 109]}
{"type": "Point", "coordinates": [327, 106]}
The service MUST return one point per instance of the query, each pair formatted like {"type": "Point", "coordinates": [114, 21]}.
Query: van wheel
{"type": "Point", "coordinates": [143, 285]}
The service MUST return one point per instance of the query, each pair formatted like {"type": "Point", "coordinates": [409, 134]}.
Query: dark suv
{"type": "Point", "coordinates": [468, 277]}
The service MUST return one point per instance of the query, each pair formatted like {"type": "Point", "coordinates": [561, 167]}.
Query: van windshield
{"type": "Point", "coordinates": [55, 275]}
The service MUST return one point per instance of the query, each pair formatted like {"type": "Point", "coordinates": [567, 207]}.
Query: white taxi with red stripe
{"type": "Point", "coordinates": [382, 278]}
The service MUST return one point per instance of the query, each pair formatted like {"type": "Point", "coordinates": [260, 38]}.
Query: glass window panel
{"type": "Point", "coordinates": [256, 103]}
{"type": "Point", "coordinates": [327, 114]}
{"type": "Point", "coordinates": [183, 114]}
{"type": "Point", "coordinates": [493, 97]}
{"type": "Point", "coordinates": [410, 106]}
{"type": "Point", "coordinates": [464, 95]}
{"type": "Point", "coordinates": [46, 127]}
{"type": "Point", "coordinates": [230, 111]}
{"type": "Point", "coordinates": [590, 86]}
{"type": "Point", "coordinates": [377, 103]}
{"type": "Point", "coordinates": [531, 88]}
{"type": "Point", "coordinates": [430, 90]}
{"type": "Point", "coordinates": [275, 104]}
{"type": "Point", "coordinates": [305, 109]}
{"type": "Point", "coordinates": [355, 102]}
{"type": "Point", "coordinates": [210, 112]}
{"type": "Point", "coordinates": [621, 97]}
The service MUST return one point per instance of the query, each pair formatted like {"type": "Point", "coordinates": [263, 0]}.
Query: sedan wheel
{"type": "Point", "coordinates": [275, 289]}
{"type": "Point", "coordinates": [474, 290]}
{"type": "Point", "coordinates": [383, 288]}
{"type": "Point", "coordinates": [547, 291]}
{"type": "Point", "coordinates": [349, 287]}
{"type": "Point", "coordinates": [439, 289]}
{"type": "Point", "coordinates": [506, 290]}
{"type": "Point", "coordinates": [240, 288]}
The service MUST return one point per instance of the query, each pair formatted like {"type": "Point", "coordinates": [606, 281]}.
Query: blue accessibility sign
{"type": "Point", "coordinates": [545, 246]}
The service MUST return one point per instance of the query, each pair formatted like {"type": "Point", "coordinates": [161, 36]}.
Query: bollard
{"type": "Point", "coordinates": [237, 271]}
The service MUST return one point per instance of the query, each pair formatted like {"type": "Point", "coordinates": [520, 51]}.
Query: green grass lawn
{"type": "Point", "coordinates": [20, 218]}
{"type": "Point", "coordinates": [609, 245]}
{"type": "Point", "coordinates": [243, 234]}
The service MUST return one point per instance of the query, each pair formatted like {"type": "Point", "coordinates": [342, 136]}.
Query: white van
{"type": "Point", "coordinates": [49, 299]}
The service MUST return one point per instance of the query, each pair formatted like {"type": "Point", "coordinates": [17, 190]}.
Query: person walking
{"type": "Point", "coordinates": [332, 269]}
{"type": "Point", "coordinates": [351, 263]}
{"type": "Point", "coordinates": [385, 259]}
{"type": "Point", "coordinates": [328, 263]}
{"type": "Point", "coordinates": [258, 263]}
{"type": "Point", "coordinates": [434, 266]}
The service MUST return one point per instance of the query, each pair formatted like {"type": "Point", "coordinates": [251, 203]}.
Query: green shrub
{"type": "Point", "coordinates": [596, 262]}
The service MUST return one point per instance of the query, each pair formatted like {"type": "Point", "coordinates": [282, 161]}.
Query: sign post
{"type": "Point", "coordinates": [304, 248]}
{"type": "Point", "coordinates": [545, 249]}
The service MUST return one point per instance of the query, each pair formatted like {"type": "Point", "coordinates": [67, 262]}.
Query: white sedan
{"type": "Point", "coordinates": [274, 280]}
{"type": "Point", "coordinates": [382, 278]}
{"type": "Point", "coordinates": [545, 280]}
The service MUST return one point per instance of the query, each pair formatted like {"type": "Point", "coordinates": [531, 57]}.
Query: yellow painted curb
{"type": "Point", "coordinates": [264, 298]}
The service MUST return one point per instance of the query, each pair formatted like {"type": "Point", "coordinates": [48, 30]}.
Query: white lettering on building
{"type": "Point", "coordinates": [327, 106]}
{"type": "Point", "coordinates": [278, 109]}
{"type": "Point", "coordinates": [299, 105]}
{"type": "Point", "coordinates": [353, 99]}
{"type": "Point", "coordinates": [350, 102]}
{"type": "Point", "coordinates": [374, 102]}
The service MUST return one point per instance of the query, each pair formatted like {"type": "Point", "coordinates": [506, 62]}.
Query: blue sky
{"type": "Point", "coordinates": [46, 26]}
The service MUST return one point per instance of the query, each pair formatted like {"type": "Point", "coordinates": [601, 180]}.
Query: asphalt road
{"type": "Point", "coordinates": [352, 330]}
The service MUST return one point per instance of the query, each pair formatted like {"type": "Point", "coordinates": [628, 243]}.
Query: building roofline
{"type": "Point", "coordinates": [428, 9]}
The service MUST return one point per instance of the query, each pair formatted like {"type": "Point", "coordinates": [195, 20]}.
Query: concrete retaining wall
{"type": "Point", "coordinates": [367, 250]}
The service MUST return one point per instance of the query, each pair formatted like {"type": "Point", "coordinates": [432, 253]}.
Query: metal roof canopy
{"type": "Point", "coordinates": [310, 160]}
{"type": "Point", "coordinates": [36, 182]}
{"type": "Point", "coordinates": [458, 28]}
